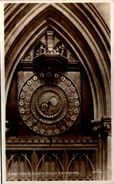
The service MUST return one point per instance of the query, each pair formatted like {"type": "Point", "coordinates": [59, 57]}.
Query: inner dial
{"type": "Point", "coordinates": [49, 103]}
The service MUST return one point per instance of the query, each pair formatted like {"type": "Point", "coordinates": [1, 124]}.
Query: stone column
{"type": "Point", "coordinates": [102, 131]}
{"type": "Point", "coordinates": [97, 133]}
{"type": "Point", "coordinates": [107, 130]}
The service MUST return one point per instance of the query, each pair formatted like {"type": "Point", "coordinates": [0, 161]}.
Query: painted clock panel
{"type": "Point", "coordinates": [49, 108]}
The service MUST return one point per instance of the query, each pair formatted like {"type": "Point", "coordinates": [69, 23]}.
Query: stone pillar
{"type": "Point", "coordinates": [102, 131]}
{"type": "Point", "coordinates": [97, 133]}
{"type": "Point", "coordinates": [107, 130]}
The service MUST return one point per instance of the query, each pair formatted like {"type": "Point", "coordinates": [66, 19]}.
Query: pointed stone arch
{"type": "Point", "coordinates": [80, 25]}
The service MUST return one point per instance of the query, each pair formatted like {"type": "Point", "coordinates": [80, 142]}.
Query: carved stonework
{"type": "Point", "coordinates": [49, 109]}
{"type": "Point", "coordinates": [49, 44]}
{"type": "Point", "coordinates": [102, 127]}
{"type": "Point", "coordinates": [39, 141]}
{"type": "Point", "coordinates": [48, 165]}
{"type": "Point", "coordinates": [106, 124]}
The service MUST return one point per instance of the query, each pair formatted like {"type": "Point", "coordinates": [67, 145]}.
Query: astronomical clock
{"type": "Point", "coordinates": [49, 111]}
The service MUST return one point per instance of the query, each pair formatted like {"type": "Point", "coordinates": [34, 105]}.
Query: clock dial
{"type": "Point", "coordinates": [49, 109]}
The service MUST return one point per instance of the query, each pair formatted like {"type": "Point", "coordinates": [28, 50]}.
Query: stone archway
{"type": "Point", "coordinates": [89, 41]}
{"type": "Point", "coordinates": [81, 28]}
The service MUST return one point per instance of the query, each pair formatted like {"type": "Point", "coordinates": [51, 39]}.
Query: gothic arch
{"type": "Point", "coordinates": [81, 27]}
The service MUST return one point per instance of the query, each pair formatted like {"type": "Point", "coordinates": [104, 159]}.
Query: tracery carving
{"type": "Point", "coordinates": [48, 165]}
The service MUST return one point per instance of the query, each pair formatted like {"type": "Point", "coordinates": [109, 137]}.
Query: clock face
{"type": "Point", "coordinates": [49, 109]}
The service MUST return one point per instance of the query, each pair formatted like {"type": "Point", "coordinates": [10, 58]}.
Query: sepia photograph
{"type": "Point", "coordinates": [57, 65]}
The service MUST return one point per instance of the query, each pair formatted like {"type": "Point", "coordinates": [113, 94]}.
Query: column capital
{"type": "Point", "coordinates": [106, 121]}
{"type": "Point", "coordinates": [102, 126]}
